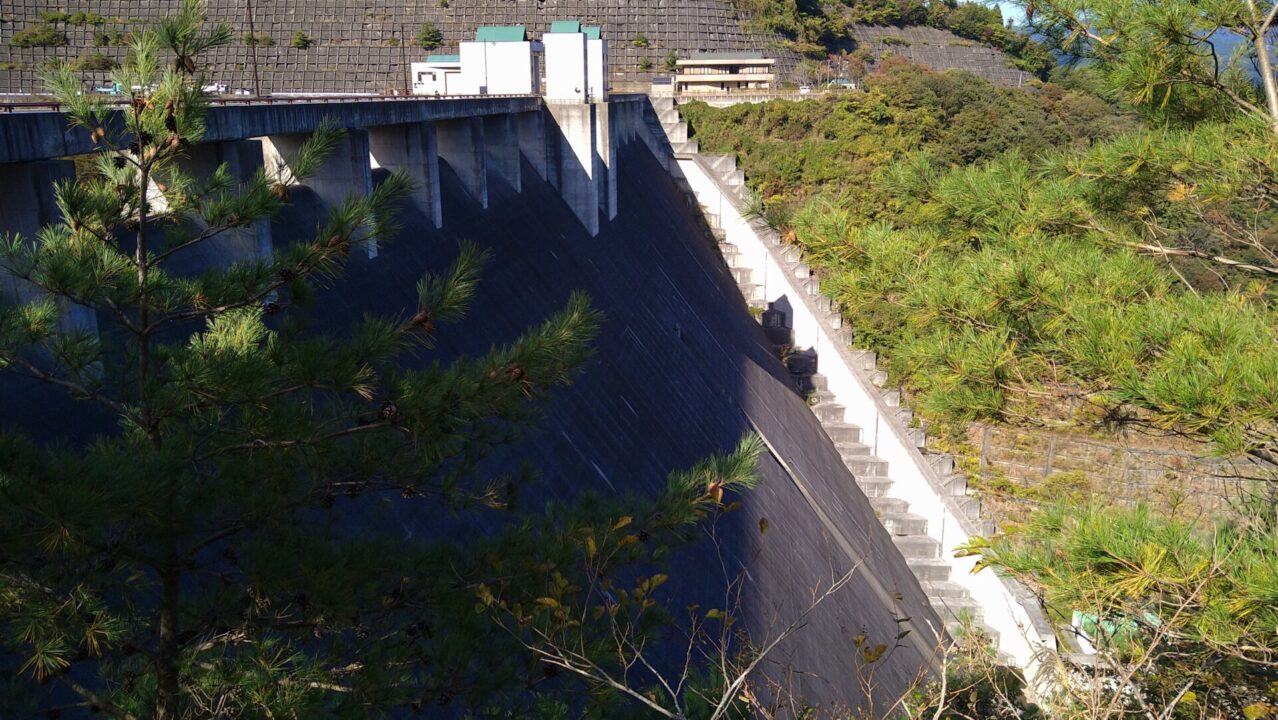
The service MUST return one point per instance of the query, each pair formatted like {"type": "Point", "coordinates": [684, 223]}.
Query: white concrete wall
{"type": "Point", "coordinates": [1022, 634]}
{"type": "Point", "coordinates": [498, 68]}
{"type": "Point", "coordinates": [597, 69]}
{"type": "Point", "coordinates": [474, 74]}
{"type": "Point", "coordinates": [566, 64]}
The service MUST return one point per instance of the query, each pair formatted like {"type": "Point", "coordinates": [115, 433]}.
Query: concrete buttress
{"type": "Point", "coordinates": [501, 149]}
{"type": "Point", "coordinates": [346, 172]}
{"type": "Point", "coordinates": [27, 204]}
{"type": "Point", "coordinates": [461, 145]}
{"type": "Point", "coordinates": [413, 149]}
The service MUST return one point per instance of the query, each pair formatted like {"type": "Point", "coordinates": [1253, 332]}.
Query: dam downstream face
{"type": "Point", "coordinates": [682, 371]}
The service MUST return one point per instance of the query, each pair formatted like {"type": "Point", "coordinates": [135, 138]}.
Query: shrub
{"type": "Point", "coordinates": [894, 40]}
{"type": "Point", "coordinates": [86, 18]}
{"type": "Point", "coordinates": [79, 18]}
{"type": "Point", "coordinates": [429, 37]}
{"type": "Point", "coordinates": [301, 40]}
{"type": "Point", "coordinates": [640, 41]}
{"type": "Point", "coordinates": [117, 38]}
{"type": "Point", "coordinates": [39, 36]}
{"type": "Point", "coordinates": [258, 40]}
{"type": "Point", "coordinates": [672, 61]}
{"type": "Point", "coordinates": [645, 64]}
{"type": "Point", "coordinates": [97, 62]}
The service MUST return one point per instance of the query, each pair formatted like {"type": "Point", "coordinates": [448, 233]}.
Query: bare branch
{"type": "Point", "coordinates": [1219, 259]}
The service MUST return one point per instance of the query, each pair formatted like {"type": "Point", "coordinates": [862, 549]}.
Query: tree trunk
{"type": "Point", "coordinates": [1266, 63]}
{"type": "Point", "coordinates": [166, 660]}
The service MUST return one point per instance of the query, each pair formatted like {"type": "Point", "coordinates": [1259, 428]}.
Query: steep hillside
{"type": "Point", "coordinates": [355, 46]}
{"type": "Point", "coordinates": [350, 46]}
{"type": "Point", "coordinates": [995, 248]}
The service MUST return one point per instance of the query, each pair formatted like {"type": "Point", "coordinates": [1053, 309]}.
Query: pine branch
{"type": "Point", "coordinates": [79, 390]}
{"type": "Point", "coordinates": [1219, 259]}
{"type": "Point", "coordinates": [287, 444]}
{"type": "Point", "coordinates": [95, 699]}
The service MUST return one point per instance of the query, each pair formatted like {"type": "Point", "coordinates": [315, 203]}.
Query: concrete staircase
{"type": "Point", "coordinates": [856, 445]}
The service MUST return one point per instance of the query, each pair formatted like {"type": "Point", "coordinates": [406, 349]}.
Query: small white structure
{"type": "Point", "coordinates": [500, 61]}
{"type": "Point", "coordinates": [596, 65]}
{"type": "Point", "coordinates": [566, 63]}
{"type": "Point", "coordinates": [720, 72]}
{"type": "Point", "coordinates": [439, 75]}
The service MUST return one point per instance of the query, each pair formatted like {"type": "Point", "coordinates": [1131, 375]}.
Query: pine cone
{"type": "Point", "coordinates": [390, 411]}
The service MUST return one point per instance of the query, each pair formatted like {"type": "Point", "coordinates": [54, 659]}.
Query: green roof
{"type": "Point", "coordinates": [748, 55]}
{"type": "Point", "coordinates": [501, 33]}
{"type": "Point", "coordinates": [592, 33]}
{"type": "Point", "coordinates": [565, 26]}
{"type": "Point", "coordinates": [443, 58]}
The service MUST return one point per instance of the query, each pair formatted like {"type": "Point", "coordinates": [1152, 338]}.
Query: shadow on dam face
{"type": "Point", "coordinates": [682, 371]}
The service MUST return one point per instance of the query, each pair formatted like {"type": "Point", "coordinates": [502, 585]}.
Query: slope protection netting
{"type": "Point", "coordinates": [939, 50]}
{"type": "Point", "coordinates": [358, 48]}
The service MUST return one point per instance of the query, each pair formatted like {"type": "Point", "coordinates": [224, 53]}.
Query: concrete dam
{"type": "Point", "coordinates": [613, 199]}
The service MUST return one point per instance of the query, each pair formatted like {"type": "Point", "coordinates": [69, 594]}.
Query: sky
{"type": "Point", "coordinates": [1010, 10]}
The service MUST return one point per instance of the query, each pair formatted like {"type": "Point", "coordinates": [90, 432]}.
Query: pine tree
{"type": "Point", "coordinates": [217, 553]}
{"type": "Point", "coordinates": [1177, 58]}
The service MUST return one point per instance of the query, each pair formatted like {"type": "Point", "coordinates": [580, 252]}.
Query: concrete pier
{"type": "Point", "coordinates": [575, 160]}
{"type": "Point", "coordinates": [531, 127]}
{"type": "Point", "coordinates": [461, 145]}
{"type": "Point", "coordinates": [346, 172]}
{"type": "Point", "coordinates": [413, 149]}
{"type": "Point", "coordinates": [27, 204]}
{"type": "Point", "coordinates": [501, 149]}
{"type": "Point", "coordinates": [606, 160]}
{"type": "Point", "coordinates": [243, 158]}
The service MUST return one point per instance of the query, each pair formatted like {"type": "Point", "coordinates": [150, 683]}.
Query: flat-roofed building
{"type": "Point", "coordinates": [566, 80]}
{"type": "Point", "coordinates": [439, 75]}
{"type": "Point", "coordinates": [501, 60]}
{"type": "Point", "coordinates": [718, 72]}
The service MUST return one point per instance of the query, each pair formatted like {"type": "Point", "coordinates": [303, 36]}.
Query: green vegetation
{"type": "Point", "coordinates": [429, 37]}
{"type": "Point", "coordinates": [301, 41]}
{"type": "Point", "coordinates": [38, 36]}
{"type": "Point", "coordinates": [115, 38]}
{"type": "Point", "coordinates": [639, 40]}
{"type": "Point", "coordinates": [804, 25]}
{"type": "Point", "coordinates": [816, 29]}
{"type": "Point", "coordinates": [258, 40]}
{"type": "Point", "coordinates": [97, 62]}
{"type": "Point", "coordinates": [78, 18]}
{"type": "Point", "coordinates": [1012, 255]}
{"type": "Point", "coordinates": [1183, 613]}
{"type": "Point", "coordinates": [1005, 250]}
{"type": "Point", "coordinates": [671, 62]}
{"type": "Point", "coordinates": [645, 64]}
